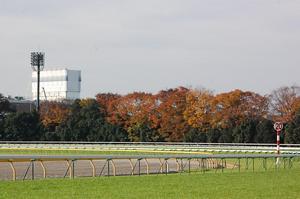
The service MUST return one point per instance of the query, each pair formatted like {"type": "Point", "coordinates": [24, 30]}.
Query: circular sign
{"type": "Point", "coordinates": [278, 126]}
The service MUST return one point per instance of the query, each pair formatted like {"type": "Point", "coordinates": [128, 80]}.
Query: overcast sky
{"type": "Point", "coordinates": [149, 45]}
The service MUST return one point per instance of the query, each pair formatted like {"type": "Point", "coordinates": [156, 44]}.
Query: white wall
{"type": "Point", "coordinates": [58, 84]}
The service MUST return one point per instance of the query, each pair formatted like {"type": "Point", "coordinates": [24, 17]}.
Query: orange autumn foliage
{"type": "Point", "coordinates": [53, 113]}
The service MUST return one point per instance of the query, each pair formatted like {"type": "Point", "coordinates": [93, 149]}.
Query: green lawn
{"type": "Point", "coordinates": [76, 152]}
{"type": "Point", "coordinates": [270, 184]}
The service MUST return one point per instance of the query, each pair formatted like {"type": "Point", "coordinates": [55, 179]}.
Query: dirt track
{"type": "Point", "coordinates": [60, 169]}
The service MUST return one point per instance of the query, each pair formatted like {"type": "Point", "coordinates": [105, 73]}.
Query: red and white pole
{"type": "Point", "coordinates": [278, 126]}
{"type": "Point", "coordinates": [278, 143]}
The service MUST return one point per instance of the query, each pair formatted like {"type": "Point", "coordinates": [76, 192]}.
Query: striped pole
{"type": "Point", "coordinates": [278, 142]}
{"type": "Point", "coordinates": [278, 126]}
{"type": "Point", "coordinates": [278, 146]}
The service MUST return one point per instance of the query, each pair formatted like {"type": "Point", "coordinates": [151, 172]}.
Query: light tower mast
{"type": "Point", "coordinates": [37, 64]}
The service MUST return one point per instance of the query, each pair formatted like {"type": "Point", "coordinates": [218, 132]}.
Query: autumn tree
{"type": "Point", "coordinates": [232, 108]}
{"type": "Point", "coordinates": [106, 102]}
{"type": "Point", "coordinates": [285, 102]}
{"type": "Point", "coordinates": [198, 112]}
{"type": "Point", "coordinates": [169, 117]}
{"type": "Point", "coordinates": [53, 113]}
{"type": "Point", "coordinates": [134, 112]}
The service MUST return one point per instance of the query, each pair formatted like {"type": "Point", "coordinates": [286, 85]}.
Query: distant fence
{"type": "Point", "coordinates": [31, 167]}
{"type": "Point", "coordinates": [150, 143]}
{"type": "Point", "coordinates": [154, 146]}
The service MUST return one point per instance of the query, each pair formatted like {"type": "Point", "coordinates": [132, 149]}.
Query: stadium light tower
{"type": "Point", "coordinates": [37, 64]}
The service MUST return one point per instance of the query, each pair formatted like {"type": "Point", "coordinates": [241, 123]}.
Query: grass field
{"type": "Point", "coordinates": [85, 152]}
{"type": "Point", "coordinates": [230, 184]}
{"type": "Point", "coordinates": [270, 184]}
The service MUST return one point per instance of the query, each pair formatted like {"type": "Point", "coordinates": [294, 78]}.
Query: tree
{"type": "Point", "coordinates": [285, 102]}
{"type": "Point", "coordinates": [245, 133]}
{"type": "Point", "coordinates": [198, 112]}
{"type": "Point", "coordinates": [86, 122]}
{"type": "Point", "coordinates": [134, 112]}
{"type": "Point", "coordinates": [22, 127]}
{"type": "Point", "coordinates": [226, 136]}
{"type": "Point", "coordinates": [106, 100]}
{"type": "Point", "coordinates": [169, 118]}
{"type": "Point", "coordinates": [4, 106]}
{"type": "Point", "coordinates": [195, 135]}
{"type": "Point", "coordinates": [53, 113]}
{"type": "Point", "coordinates": [265, 132]}
{"type": "Point", "coordinates": [213, 135]}
{"type": "Point", "coordinates": [233, 108]}
{"type": "Point", "coordinates": [84, 119]}
{"type": "Point", "coordinates": [292, 130]}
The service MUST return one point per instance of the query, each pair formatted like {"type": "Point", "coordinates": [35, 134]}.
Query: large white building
{"type": "Point", "coordinates": [57, 84]}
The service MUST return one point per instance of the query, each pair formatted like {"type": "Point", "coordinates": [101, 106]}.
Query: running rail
{"type": "Point", "coordinates": [151, 147]}
{"type": "Point", "coordinates": [149, 143]}
{"type": "Point", "coordinates": [204, 163]}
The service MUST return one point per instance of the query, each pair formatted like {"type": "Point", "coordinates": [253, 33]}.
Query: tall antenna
{"type": "Point", "coordinates": [37, 64]}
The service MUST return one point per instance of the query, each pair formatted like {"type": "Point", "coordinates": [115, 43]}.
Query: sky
{"type": "Point", "coordinates": [150, 45]}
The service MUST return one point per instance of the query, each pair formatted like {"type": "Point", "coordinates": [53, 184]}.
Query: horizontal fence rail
{"type": "Point", "coordinates": [149, 143]}
{"type": "Point", "coordinates": [43, 166]}
{"type": "Point", "coordinates": [154, 146]}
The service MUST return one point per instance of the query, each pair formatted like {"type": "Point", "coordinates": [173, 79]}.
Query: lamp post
{"type": "Point", "coordinates": [37, 64]}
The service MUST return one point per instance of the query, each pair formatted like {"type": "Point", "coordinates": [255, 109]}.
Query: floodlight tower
{"type": "Point", "coordinates": [37, 64]}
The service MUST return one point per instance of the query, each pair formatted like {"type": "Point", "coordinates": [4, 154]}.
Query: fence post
{"type": "Point", "coordinates": [32, 169]}
{"type": "Point", "coordinates": [108, 167]}
{"type": "Point", "coordinates": [13, 171]}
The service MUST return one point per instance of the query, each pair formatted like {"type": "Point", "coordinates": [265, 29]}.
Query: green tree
{"type": "Point", "coordinates": [292, 131]}
{"type": "Point", "coordinates": [245, 133]}
{"type": "Point", "coordinates": [4, 106]}
{"type": "Point", "coordinates": [226, 136]}
{"type": "Point", "coordinates": [22, 127]}
{"type": "Point", "coordinates": [265, 132]}
{"type": "Point", "coordinates": [213, 135]}
{"type": "Point", "coordinates": [195, 135]}
{"type": "Point", "coordinates": [87, 123]}
{"type": "Point", "coordinates": [143, 133]}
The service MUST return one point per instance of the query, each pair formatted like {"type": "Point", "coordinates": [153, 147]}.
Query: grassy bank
{"type": "Point", "coordinates": [24, 151]}
{"type": "Point", "coordinates": [270, 184]}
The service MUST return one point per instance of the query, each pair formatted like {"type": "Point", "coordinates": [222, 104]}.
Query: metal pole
{"type": "Point", "coordinates": [290, 163]}
{"type": "Point", "coordinates": [38, 83]}
{"type": "Point", "coordinates": [278, 145]}
{"type": "Point", "coordinates": [108, 168]}
{"type": "Point", "coordinates": [222, 165]}
{"type": "Point", "coordinates": [181, 165]}
{"type": "Point", "coordinates": [139, 167]}
{"type": "Point", "coordinates": [265, 164]}
{"type": "Point", "coordinates": [73, 168]}
{"type": "Point", "coordinates": [32, 169]}
{"type": "Point", "coordinates": [14, 176]}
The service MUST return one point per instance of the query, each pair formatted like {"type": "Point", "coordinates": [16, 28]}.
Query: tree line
{"type": "Point", "coordinates": [173, 115]}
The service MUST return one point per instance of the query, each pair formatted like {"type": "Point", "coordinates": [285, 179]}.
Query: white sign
{"type": "Point", "coordinates": [278, 126]}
